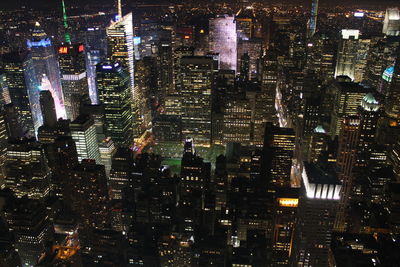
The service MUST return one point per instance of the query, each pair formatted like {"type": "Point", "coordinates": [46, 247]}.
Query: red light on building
{"type": "Point", "coordinates": [63, 50]}
{"type": "Point", "coordinates": [81, 48]}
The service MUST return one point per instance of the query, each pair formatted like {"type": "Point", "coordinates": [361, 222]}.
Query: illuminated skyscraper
{"type": "Point", "coordinates": [120, 45]}
{"type": "Point", "coordinates": [44, 63]}
{"type": "Point", "coordinates": [347, 53]}
{"type": "Point", "coordinates": [319, 197]}
{"type": "Point", "coordinates": [3, 145]}
{"type": "Point", "coordinates": [83, 132]}
{"type": "Point", "coordinates": [166, 68]}
{"type": "Point", "coordinates": [312, 24]}
{"type": "Point", "coordinates": [96, 48]}
{"type": "Point", "coordinates": [348, 96]}
{"type": "Point", "coordinates": [115, 95]}
{"type": "Point", "coordinates": [107, 150]}
{"type": "Point", "coordinates": [392, 101]}
{"type": "Point", "coordinates": [278, 155]}
{"type": "Point", "coordinates": [346, 160]}
{"type": "Point", "coordinates": [121, 172]}
{"type": "Point", "coordinates": [237, 120]}
{"type": "Point", "coordinates": [89, 195]}
{"type": "Point", "coordinates": [13, 68]}
{"type": "Point", "coordinates": [391, 24]}
{"type": "Point", "coordinates": [223, 40]}
{"type": "Point", "coordinates": [73, 77]}
{"type": "Point", "coordinates": [26, 169]}
{"type": "Point", "coordinates": [196, 80]}
{"type": "Point", "coordinates": [31, 227]}
{"type": "Point", "coordinates": [284, 222]}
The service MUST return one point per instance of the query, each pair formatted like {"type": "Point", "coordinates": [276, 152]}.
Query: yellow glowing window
{"type": "Point", "coordinates": [288, 202]}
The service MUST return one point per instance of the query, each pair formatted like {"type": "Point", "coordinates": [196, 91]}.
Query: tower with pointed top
{"type": "Point", "coordinates": [67, 36]}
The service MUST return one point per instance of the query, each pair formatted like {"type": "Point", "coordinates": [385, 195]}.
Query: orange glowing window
{"type": "Point", "coordinates": [393, 123]}
{"type": "Point", "coordinates": [288, 202]}
{"type": "Point", "coordinates": [81, 48]}
{"type": "Point", "coordinates": [187, 37]}
{"type": "Point", "coordinates": [63, 50]}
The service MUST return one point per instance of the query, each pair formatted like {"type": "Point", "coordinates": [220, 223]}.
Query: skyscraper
{"type": "Point", "coordinates": [196, 81]}
{"type": "Point", "coordinates": [392, 101]}
{"type": "Point", "coordinates": [347, 53]}
{"type": "Point", "coordinates": [320, 193]}
{"type": "Point", "coordinates": [89, 195]}
{"type": "Point", "coordinates": [120, 174]}
{"type": "Point", "coordinates": [48, 108]}
{"type": "Point", "coordinates": [26, 170]}
{"type": "Point", "coordinates": [13, 68]}
{"type": "Point", "coordinates": [120, 45]}
{"type": "Point", "coordinates": [223, 40]}
{"type": "Point", "coordinates": [31, 227]}
{"type": "Point", "coordinates": [391, 24]}
{"type": "Point", "coordinates": [284, 222]}
{"type": "Point", "coordinates": [115, 95]}
{"type": "Point", "coordinates": [73, 76]}
{"type": "Point", "coordinates": [277, 156]}
{"type": "Point", "coordinates": [44, 62]}
{"type": "Point", "coordinates": [348, 96]}
{"type": "Point", "coordinates": [312, 24]}
{"type": "Point", "coordinates": [346, 160]}
{"type": "Point", "coordinates": [83, 132]}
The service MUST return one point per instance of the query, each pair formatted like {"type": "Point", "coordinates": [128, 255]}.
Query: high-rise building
{"type": "Point", "coordinates": [73, 76]}
{"type": "Point", "coordinates": [223, 40]}
{"type": "Point", "coordinates": [318, 143]}
{"type": "Point", "coordinates": [13, 67]}
{"type": "Point", "coordinates": [166, 68]}
{"type": "Point", "coordinates": [107, 150]}
{"type": "Point", "coordinates": [48, 108]}
{"type": "Point", "coordinates": [319, 197]}
{"type": "Point", "coordinates": [31, 226]}
{"type": "Point", "coordinates": [346, 57]}
{"type": "Point", "coordinates": [197, 82]}
{"type": "Point", "coordinates": [44, 63]}
{"type": "Point", "coordinates": [392, 101]}
{"type": "Point", "coordinates": [380, 62]}
{"type": "Point", "coordinates": [369, 113]}
{"type": "Point", "coordinates": [346, 160]}
{"type": "Point", "coordinates": [3, 145]}
{"type": "Point", "coordinates": [237, 120]}
{"type": "Point", "coordinates": [115, 95]}
{"type": "Point", "coordinates": [195, 173]}
{"type": "Point", "coordinates": [348, 96]}
{"type": "Point", "coordinates": [312, 23]}
{"type": "Point", "coordinates": [253, 48]}
{"type": "Point", "coordinates": [120, 177]}
{"type": "Point", "coordinates": [96, 49]}
{"type": "Point", "coordinates": [391, 23]}
{"type": "Point", "coordinates": [284, 222]}
{"type": "Point", "coordinates": [26, 169]}
{"type": "Point", "coordinates": [278, 154]}
{"type": "Point", "coordinates": [120, 45]}
{"type": "Point", "coordinates": [83, 132]}
{"type": "Point", "coordinates": [89, 194]}
{"type": "Point", "coordinates": [245, 23]}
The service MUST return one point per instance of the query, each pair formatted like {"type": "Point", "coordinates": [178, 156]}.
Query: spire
{"type": "Point", "coordinates": [119, 9]}
{"type": "Point", "coordinates": [67, 36]}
